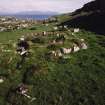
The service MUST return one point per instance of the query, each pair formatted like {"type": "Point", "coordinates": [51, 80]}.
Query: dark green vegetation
{"type": "Point", "coordinates": [77, 80]}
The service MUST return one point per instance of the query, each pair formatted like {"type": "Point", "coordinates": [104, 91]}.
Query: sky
{"type": "Point", "coordinates": [59, 6]}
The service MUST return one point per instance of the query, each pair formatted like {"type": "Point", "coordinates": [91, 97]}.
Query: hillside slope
{"type": "Point", "coordinates": [91, 17]}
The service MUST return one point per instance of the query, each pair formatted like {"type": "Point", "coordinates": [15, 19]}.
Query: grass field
{"type": "Point", "coordinates": [77, 80]}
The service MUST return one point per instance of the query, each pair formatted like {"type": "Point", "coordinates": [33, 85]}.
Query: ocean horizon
{"type": "Point", "coordinates": [33, 17]}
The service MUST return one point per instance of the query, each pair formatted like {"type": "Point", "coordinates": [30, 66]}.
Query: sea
{"type": "Point", "coordinates": [33, 17]}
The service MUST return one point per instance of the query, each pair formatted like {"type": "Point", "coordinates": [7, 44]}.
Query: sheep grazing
{"type": "Point", "coordinates": [76, 30]}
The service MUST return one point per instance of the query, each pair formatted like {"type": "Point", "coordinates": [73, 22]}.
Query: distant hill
{"type": "Point", "coordinates": [30, 13]}
{"type": "Point", "coordinates": [36, 13]}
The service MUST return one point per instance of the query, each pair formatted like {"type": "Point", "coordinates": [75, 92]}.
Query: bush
{"type": "Point", "coordinates": [33, 28]}
{"type": "Point", "coordinates": [38, 40]}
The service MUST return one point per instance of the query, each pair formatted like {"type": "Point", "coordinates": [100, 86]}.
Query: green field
{"type": "Point", "coordinates": [77, 80]}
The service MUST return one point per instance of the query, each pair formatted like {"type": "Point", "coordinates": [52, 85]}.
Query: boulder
{"type": "Point", "coordinates": [1, 80]}
{"type": "Point", "coordinates": [76, 30]}
{"type": "Point", "coordinates": [66, 50]}
{"type": "Point", "coordinates": [76, 48]}
{"type": "Point", "coordinates": [59, 54]}
{"type": "Point", "coordinates": [83, 46]}
{"type": "Point", "coordinates": [55, 28]}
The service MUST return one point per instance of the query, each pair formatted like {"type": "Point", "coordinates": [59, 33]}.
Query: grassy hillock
{"type": "Point", "coordinates": [73, 79]}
